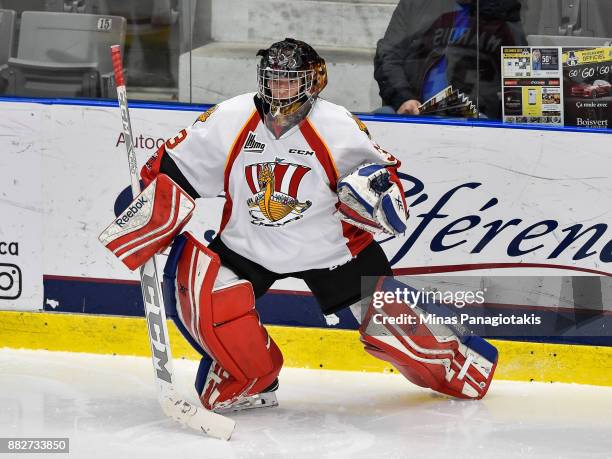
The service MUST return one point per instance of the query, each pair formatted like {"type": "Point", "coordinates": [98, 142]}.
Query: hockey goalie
{"type": "Point", "coordinates": [305, 190]}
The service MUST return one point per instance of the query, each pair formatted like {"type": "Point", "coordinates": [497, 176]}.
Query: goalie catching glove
{"type": "Point", "coordinates": [150, 222]}
{"type": "Point", "coordinates": [372, 199]}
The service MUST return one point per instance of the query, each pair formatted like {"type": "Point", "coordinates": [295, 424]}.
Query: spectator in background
{"type": "Point", "coordinates": [420, 55]}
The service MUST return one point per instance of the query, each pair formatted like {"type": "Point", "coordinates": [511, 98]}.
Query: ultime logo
{"type": "Point", "coordinates": [252, 145]}
{"type": "Point", "coordinates": [9, 248]}
{"type": "Point", "coordinates": [10, 281]}
{"type": "Point", "coordinates": [131, 211]}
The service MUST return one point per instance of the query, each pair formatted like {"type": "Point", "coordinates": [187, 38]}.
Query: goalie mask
{"type": "Point", "coordinates": [290, 76]}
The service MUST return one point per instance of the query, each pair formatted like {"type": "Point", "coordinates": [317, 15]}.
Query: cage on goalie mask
{"type": "Point", "coordinates": [290, 75]}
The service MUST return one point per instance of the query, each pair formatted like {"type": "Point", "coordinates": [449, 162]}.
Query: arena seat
{"type": "Point", "coordinates": [64, 54]}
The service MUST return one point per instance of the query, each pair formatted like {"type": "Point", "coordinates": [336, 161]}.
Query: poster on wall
{"type": "Point", "coordinates": [587, 86]}
{"type": "Point", "coordinates": [531, 85]}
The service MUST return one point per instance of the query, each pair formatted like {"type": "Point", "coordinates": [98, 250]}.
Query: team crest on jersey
{"type": "Point", "coordinates": [204, 116]}
{"type": "Point", "coordinates": [275, 188]}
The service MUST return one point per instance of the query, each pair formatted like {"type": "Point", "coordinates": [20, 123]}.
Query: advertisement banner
{"type": "Point", "coordinates": [587, 86]}
{"type": "Point", "coordinates": [557, 86]}
{"type": "Point", "coordinates": [531, 85]}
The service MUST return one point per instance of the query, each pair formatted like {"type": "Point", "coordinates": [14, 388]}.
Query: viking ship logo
{"type": "Point", "coordinates": [275, 186]}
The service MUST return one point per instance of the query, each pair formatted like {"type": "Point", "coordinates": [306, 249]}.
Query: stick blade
{"type": "Point", "coordinates": [212, 424]}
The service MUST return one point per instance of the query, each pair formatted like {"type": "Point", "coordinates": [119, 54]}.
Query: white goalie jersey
{"type": "Point", "coordinates": [280, 209]}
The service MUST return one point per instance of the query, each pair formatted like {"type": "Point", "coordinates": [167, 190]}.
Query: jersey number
{"type": "Point", "coordinates": [172, 143]}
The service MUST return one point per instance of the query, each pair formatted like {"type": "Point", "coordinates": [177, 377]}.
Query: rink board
{"type": "Point", "coordinates": [301, 347]}
{"type": "Point", "coordinates": [64, 170]}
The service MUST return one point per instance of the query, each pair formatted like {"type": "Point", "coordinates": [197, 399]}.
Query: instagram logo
{"type": "Point", "coordinates": [10, 281]}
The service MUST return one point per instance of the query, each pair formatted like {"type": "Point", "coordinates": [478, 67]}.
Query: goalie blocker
{"type": "Point", "coordinates": [150, 222]}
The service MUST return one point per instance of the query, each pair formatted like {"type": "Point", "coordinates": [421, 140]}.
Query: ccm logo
{"type": "Point", "coordinates": [132, 210]}
{"type": "Point", "coordinates": [301, 152]}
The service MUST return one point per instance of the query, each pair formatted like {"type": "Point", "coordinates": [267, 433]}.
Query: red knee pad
{"type": "Point", "coordinates": [429, 356]}
{"type": "Point", "coordinates": [223, 320]}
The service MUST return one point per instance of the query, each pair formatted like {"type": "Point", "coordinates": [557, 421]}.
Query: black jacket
{"type": "Point", "coordinates": [419, 34]}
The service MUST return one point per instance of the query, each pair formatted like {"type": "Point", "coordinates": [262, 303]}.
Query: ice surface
{"type": "Point", "coordinates": [107, 406]}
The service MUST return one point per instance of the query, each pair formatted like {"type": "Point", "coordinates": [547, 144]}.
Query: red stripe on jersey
{"type": "Point", "coordinates": [296, 178]}
{"type": "Point", "coordinates": [358, 239]}
{"type": "Point", "coordinates": [248, 173]}
{"type": "Point", "coordinates": [227, 212]}
{"type": "Point", "coordinates": [250, 125]}
{"type": "Point", "coordinates": [279, 173]}
{"type": "Point", "coordinates": [321, 151]}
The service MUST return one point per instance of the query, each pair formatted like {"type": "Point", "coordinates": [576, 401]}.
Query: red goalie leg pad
{"type": "Point", "coordinates": [430, 356]}
{"type": "Point", "coordinates": [222, 319]}
{"type": "Point", "coordinates": [149, 223]}
{"type": "Point", "coordinates": [222, 390]}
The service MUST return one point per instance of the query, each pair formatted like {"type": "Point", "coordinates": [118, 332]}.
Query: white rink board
{"type": "Point", "coordinates": [561, 177]}
{"type": "Point", "coordinates": [535, 175]}
{"type": "Point", "coordinates": [21, 207]}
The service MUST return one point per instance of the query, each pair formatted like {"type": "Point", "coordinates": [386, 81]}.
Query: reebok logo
{"type": "Point", "coordinates": [252, 145]}
{"type": "Point", "coordinates": [131, 211]}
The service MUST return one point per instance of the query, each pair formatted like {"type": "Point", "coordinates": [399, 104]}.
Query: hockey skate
{"type": "Point", "coordinates": [265, 399]}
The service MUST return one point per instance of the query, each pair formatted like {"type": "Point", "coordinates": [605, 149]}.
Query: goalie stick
{"type": "Point", "coordinates": [173, 404]}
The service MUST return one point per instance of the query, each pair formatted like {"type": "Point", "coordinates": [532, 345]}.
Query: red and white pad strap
{"type": "Point", "coordinates": [149, 223]}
